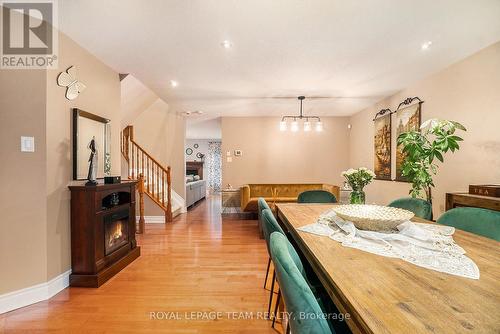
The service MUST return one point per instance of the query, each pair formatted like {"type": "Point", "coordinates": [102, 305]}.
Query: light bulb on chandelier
{"type": "Point", "coordinates": [319, 126]}
{"type": "Point", "coordinates": [307, 126]}
{"type": "Point", "coordinates": [283, 125]}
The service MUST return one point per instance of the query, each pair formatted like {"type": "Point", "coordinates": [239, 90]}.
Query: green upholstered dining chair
{"type": "Point", "coordinates": [298, 296]}
{"type": "Point", "coordinates": [316, 196]}
{"type": "Point", "coordinates": [261, 204]}
{"type": "Point", "coordinates": [475, 220]}
{"type": "Point", "coordinates": [421, 208]}
{"type": "Point", "coordinates": [270, 225]}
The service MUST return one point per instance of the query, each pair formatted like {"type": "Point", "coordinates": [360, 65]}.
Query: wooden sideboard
{"type": "Point", "coordinates": [454, 200]}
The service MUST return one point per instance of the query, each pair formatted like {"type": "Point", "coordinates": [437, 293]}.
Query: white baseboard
{"type": "Point", "coordinates": [34, 294]}
{"type": "Point", "coordinates": [153, 219]}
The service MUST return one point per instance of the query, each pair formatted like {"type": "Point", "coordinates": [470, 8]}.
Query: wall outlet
{"type": "Point", "coordinates": [27, 144]}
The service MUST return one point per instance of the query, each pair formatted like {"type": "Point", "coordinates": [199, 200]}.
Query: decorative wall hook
{"type": "Point", "coordinates": [382, 112]}
{"type": "Point", "coordinates": [408, 101]}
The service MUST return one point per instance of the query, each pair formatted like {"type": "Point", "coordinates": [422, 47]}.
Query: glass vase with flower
{"type": "Point", "coordinates": [358, 179]}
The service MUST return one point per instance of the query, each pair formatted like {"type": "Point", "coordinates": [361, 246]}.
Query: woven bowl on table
{"type": "Point", "coordinates": [373, 217]}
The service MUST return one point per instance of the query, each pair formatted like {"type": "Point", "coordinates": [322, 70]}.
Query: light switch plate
{"type": "Point", "coordinates": [27, 144]}
{"type": "Point", "coordinates": [229, 159]}
{"type": "Point", "coordinates": [228, 153]}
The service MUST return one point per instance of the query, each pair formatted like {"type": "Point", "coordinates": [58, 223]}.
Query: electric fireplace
{"type": "Point", "coordinates": [115, 231]}
{"type": "Point", "coordinates": [102, 231]}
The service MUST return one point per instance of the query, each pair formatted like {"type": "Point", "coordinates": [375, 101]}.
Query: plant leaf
{"type": "Point", "coordinates": [439, 156]}
{"type": "Point", "coordinates": [458, 125]}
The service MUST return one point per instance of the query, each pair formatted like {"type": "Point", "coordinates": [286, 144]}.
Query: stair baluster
{"type": "Point", "coordinates": [140, 188]}
{"type": "Point", "coordinates": [163, 187]}
{"type": "Point", "coordinates": [143, 166]}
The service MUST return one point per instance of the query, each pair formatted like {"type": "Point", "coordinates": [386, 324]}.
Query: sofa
{"type": "Point", "coordinates": [195, 191]}
{"type": "Point", "coordinates": [278, 193]}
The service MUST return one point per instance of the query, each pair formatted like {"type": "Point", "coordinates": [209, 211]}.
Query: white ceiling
{"type": "Point", "coordinates": [359, 51]}
{"type": "Point", "coordinates": [204, 129]}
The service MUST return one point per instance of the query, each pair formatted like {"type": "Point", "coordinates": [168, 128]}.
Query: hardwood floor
{"type": "Point", "coordinates": [198, 263]}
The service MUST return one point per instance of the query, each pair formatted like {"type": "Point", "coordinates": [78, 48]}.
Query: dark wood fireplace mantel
{"type": "Point", "coordinates": [194, 168]}
{"type": "Point", "coordinates": [102, 231]}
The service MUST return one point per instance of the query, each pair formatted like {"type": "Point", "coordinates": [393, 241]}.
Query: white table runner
{"type": "Point", "coordinates": [425, 245]}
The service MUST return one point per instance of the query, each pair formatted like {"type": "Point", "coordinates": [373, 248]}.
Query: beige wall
{"type": "Point", "coordinates": [23, 224]}
{"type": "Point", "coordinates": [467, 92]}
{"type": "Point", "coordinates": [161, 133]}
{"type": "Point", "coordinates": [35, 244]}
{"type": "Point", "coordinates": [272, 156]}
{"type": "Point", "coordinates": [135, 98]}
{"type": "Point", "coordinates": [101, 97]}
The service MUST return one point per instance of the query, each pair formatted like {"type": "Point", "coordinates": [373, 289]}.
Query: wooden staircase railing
{"type": "Point", "coordinates": [157, 183]}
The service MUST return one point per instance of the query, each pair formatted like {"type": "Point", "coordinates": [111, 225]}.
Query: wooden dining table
{"type": "Point", "coordinates": [388, 295]}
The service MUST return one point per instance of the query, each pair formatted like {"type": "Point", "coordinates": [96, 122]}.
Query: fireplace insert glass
{"type": "Point", "coordinates": [115, 231]}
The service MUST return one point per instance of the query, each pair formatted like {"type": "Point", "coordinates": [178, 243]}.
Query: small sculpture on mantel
{"type": "Point", "coordinates": [92, 176]}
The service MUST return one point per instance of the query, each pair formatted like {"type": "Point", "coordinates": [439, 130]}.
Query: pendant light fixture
{"type": "Point", "coordinates": [294, 126]}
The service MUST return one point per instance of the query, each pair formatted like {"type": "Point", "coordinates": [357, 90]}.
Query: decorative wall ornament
{"type": "Point", "coordinates": [189, 151]}
{"type": "Point", "coordinates": [92, 175]}
{"type": "Point", "coordinates": [196, 145]}
{"type": "Point", "coordinates": [68, 79]}
{"type": "Point", "coordinates": [107, 151]}
{"type": "Point", "coordinates": [407, 119]}
{"type": "Point", "coordinates": [382, 142]}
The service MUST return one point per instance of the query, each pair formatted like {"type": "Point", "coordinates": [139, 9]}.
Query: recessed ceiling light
{"type": "Point", "coordinates": [174, 83]}
{"type": "Point", "coordinates": [426, 45]}
{"type": "Point", "coordinates": [226, 44]}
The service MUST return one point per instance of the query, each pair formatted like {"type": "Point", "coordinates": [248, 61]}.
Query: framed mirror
{"type": "Point", "coordinates": [85, 127]}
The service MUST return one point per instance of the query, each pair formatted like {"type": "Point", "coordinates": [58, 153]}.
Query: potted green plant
{"type": "Point", "coordinates": [358, 179]}
{"type": "Point", "coordinates": [421, 149]}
